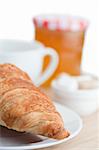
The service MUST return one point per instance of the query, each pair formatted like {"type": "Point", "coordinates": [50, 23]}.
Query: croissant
{"type": "Point", "coordinates": [24, 108]}
{"type": "Point", "coordinates": [9, 70]}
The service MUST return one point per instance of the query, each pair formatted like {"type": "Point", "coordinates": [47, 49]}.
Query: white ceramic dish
{"type": "Point", "coordinates": [11, 140]}
{"type": "Point", "coordinates": [84, 102]}
{"type": "Point", "coordinates": [29, 56]}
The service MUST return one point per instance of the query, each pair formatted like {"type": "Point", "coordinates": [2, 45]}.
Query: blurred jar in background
{"type": "Point", "coordinates": [66, 35]}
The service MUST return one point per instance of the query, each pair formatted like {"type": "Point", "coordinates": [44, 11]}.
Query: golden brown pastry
{"type": "Point", "coordinates": [9, 70]}
{"type": "Point", "coordinates": [23, 107]}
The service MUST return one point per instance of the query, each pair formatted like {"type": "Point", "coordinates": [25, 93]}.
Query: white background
{"type": "Point", "coordinates": [16, 22]}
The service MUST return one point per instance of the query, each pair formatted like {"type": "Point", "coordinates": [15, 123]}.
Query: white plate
{"type": "Point", "coordinates": [12, 140]}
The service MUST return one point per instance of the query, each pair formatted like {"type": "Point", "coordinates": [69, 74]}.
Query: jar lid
{"type": "Point", "coordinates": [61, 22]}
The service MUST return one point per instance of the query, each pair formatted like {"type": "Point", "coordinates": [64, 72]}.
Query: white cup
{"type": "Point", "coordinates": [29, 56]}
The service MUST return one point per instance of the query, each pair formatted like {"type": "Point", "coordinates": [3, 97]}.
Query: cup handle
{"type": "Point", "coordinates": [51, 67]}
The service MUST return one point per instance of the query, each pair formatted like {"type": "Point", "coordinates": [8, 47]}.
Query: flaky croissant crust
{"type": "Point", "coordinates": [23, 107]}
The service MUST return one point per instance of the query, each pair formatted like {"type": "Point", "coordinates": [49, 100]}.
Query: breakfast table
{"type": "Point", "coordinates": [88, 138]}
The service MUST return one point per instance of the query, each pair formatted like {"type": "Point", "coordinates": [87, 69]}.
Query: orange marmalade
{"type": "Point", "coordinates": [66, 35]}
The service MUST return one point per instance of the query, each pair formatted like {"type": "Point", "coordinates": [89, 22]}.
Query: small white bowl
{"type": "Point", "coordinates": [84, 102]}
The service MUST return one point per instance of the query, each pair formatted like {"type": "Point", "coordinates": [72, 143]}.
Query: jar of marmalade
{"type": "Point", "coordinates": [66, 35]}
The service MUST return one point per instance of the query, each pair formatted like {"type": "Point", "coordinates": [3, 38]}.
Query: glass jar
{"type": "Point", "coordinates": [66, 35]}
